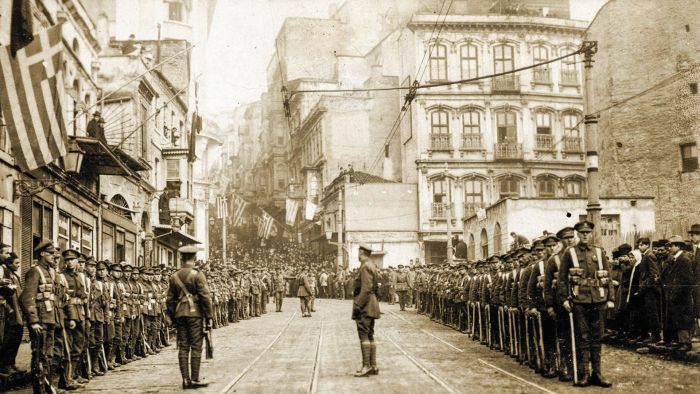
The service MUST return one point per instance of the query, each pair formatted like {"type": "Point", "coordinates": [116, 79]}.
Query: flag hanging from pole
{"type": "Point", "coordinates": [239, 206]}
{"type": "Point", "coordinates": [221, 207]}
{"type": "Point", "coordinates": [265, 225]}
{"type": "Point", "coordinates": [291, 213]}
{"type": "Point", "coordinates": [32, 100]}
{"type": "Point", "coordinates": [310, 210]}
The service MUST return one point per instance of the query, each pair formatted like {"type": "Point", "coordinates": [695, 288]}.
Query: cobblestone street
{"type": "Point", "coordinates": [284, 353]}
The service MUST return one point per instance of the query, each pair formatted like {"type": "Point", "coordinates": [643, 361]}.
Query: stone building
{"type": "Point", "coordinates": [469, 145]}
{"type": "Point", "coordinates": [645, 88]}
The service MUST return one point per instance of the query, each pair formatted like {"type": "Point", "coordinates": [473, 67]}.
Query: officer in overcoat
{"type": "Point", "coordinates": [365, 309]}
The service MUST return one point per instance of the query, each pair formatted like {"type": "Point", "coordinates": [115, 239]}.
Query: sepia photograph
{"type": "Point", "coordinates": [349, 196]}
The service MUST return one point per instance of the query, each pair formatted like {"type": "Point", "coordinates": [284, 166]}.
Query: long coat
{"type": "Point", "coordinates": [304, 288]}
{"type": "Point", "coordinates": [365, 303]}
{"type": "Point", "coordinates": [696, 270]}
{"type": "Point", "coordinates": [677, 280]}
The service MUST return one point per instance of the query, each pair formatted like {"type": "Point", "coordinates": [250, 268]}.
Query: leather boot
{"type": "Point", "coordinates": [597, 377]}
{"type": "Point", "coordinates": [373, 358]}
{"type": "Point", "coordinates": [366, 368]}
{"type": "Point", "coordinates": [584, 378]}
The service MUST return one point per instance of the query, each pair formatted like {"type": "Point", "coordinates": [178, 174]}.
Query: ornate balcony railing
{"type": "Point", "coordinates": [508, 151]}
{"type": "Point", "coordinates": [471, 141]}
{"type": "Point", "coordinates": [544, 142]}
{"type": "Point", "coordinates": [542, 75]}
{"type": "Point", "coordinates": [470, 208]}
{"type": "Point", "coordinates": [506, 83]}
{"type": "Point", "coordinates": [441, 141]}
{"type": "Point", "coordinates": [573, 144]}
{"type": "Point", "coordinates": [569, 77]}
{"type": "Point", "coordinates": [440, 210]}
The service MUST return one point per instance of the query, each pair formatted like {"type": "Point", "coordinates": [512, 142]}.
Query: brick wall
{"type": "Point", "coordinates": [643, 43]}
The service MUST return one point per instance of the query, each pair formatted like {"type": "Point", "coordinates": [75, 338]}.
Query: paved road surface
{"type": "Point", "coordinates": [285, 353]}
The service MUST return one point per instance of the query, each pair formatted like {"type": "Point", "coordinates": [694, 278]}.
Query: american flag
{"type": "Point", "coordinates": [265, 225]}
{"type": "Point", "coordinates": [32, 98]}
{"type": "Point", "coordinates": [239, 206]}
{"type": "Point", "coordinates": [221, 207]}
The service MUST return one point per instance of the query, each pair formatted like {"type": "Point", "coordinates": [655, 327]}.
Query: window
{"type": "Point", "coordinates": [6, 233]}
{"type": "Point", "coordinates": [86, 246]}
{"type": "Point", "coordinates": [689, 157]}
{"type": "Point", "coordinates": [63, 231]}
{"type": "Point", "coordinates": [569, 72]}
{"type": "Point", "coordinates": [175, 11]}
{"type": "Point", "coordinates": [438, 63]}
{"type": "Point", "coordinates": [484, 244]}
{"type": "Point", "coordinates": [546, 187]}
{"type": "Point", "coordinates": [156, 171]}
{"type": "Point", "coordinates": [441, 190]}
{"type": "Point", "coordinates": [544, 123]}
{"type": "Point", "coordinates": [440, 130]}
{"type": "Point", "coordinates": [120, 247]}
{"type": "Point", "coordinates": [609, 225]}
{"type": "Point", "coordinates": [129, 249]}
{"type": "Point", "coordinates": [469, 61]}
{"type": "Point", "coordinates": [76, 110]}
{"type": "Point", "coordinates": [506, 126]}
{"type": "Point", "coordinates": [107, 242]}
{"type": "Point", "coordinates": [173, 168]}
{"type": "Point", "coordinates": [42, 222]}
{"type": "Point", "coordinates": [280, 183]}
{"type": "Point", "coordinates": [3, 133]}
{"type": "Point", "coordinates": [473, 191]}
{"type": "Point", "coordinates": [503, 59]}
{"type": "Point", "coordinates": [144, 133]}
{"type": "Point", "coordinates": [540, 54]}
{"type": "Point", "coordinates": [574, 188]}
{"type": "Point", "coordinates": [497, 241]}
{"type": "Point", "coordinates": [509, 186]}
{"type": "Point", "coordinates": [571, 121]}
{"type": "Point", "coordinates": [470, 123]}
{"type": "Point", "coordinates": [75, 235]}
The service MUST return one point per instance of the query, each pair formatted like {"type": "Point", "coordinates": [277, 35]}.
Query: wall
{"type": "Point", "coordinates": [642, 45]}
{"type": "Point", "coordinates": [381, 207]}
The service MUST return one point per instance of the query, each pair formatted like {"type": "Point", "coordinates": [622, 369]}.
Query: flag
{"type": "Point", "coordinates": [194, 130]}
{"type": "Point", "coordinates": [310, 210]}
{"type": "Point", "coordinates": [31, 96]}
{"type": "Point", "coordinates": [291, 213]}
{"type": "Point", "coordinates": [265, 225]}
{"type": "Point", "coordinates": [239, 206]}
{"type": "Point", "coordinates": [221, 207]}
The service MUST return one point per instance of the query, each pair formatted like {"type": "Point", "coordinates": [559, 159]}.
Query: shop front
{"type": "Point", "coordinates": [118, 236]}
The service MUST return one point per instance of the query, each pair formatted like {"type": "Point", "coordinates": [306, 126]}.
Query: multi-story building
{"type": "Point", "coordinates": [645, 85]}
{"type": "Point", "coordinates": [468, 145]}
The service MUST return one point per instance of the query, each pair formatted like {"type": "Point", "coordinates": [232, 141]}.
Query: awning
{"type": "Point", "coordinates": [164, 234]}
{"type": "Point", "coordinates": [99, 158]}
{"type": "Point", "coordinates": [136, 164]}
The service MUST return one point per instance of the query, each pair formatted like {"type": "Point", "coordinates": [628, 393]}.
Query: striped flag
{"type": "Point", "coordinates": [221, 207]}
{"type": "Point", "coordinates": [239, 206]}
{"type": "Point", "coordinates": [291, 213]}
{"type": "Point", "coordinates": [265, 225]}
{"type": "Point", "coordinates": [32, 100]}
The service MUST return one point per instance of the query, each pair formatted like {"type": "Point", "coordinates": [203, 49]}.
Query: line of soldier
{"type": "Point", "coordinates": [87, 317]}
{"type": "Point", "coordinates": [540, 305]}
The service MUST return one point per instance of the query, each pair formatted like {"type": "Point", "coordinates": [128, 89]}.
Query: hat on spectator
{"type": "Point", "coordinates": [366, 249]}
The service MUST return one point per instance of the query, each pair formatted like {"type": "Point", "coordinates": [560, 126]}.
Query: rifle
{"type": "Point", "coordinates": [487, 308]}
{"type": "Point", "coordinates": [87, 350]}
{"type": "Point", "coordinates": [511, 337]}
{"type": "Point", "coordinates": [69, 373]}
{"type": "Point", "coordinates": [573, 346]}
{"type": "Point", "coordinates": [500, 326]}
{"type": "Point", "coordinates": [209, 344]}
{"type": "Point", "coordinates": [38, 365]}
{"type": "Point", "coordinates": [104, 356]}
{"type": "Point", "coordinates": [536, 342]}
{"type": "Point", "coordinates": [146, 348]}
{"type": "Point", "coordinates": [527, 337]}
{"type": "Point", "coordinates": [541, 339]}
{"type": "Point", "coordinates": [481, 322]}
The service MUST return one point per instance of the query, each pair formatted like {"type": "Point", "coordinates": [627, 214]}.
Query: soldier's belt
{"type": "Point", "coordinates": [45, 296]}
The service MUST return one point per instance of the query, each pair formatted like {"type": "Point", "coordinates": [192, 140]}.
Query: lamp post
{"type": "Point", "coordinates": [593, 208]}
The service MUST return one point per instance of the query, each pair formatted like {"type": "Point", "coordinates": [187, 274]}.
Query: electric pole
{"type": "Point", "coordinates": [590, 48]}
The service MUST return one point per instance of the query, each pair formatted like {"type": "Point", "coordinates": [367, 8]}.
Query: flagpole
{"type": "Point", "coordinates": [223, 234]}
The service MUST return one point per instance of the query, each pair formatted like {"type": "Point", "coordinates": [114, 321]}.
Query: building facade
{"type": "Point", "coordinates": [649, 125]}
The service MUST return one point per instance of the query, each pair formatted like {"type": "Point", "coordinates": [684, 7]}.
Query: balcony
{"type": "Point", "coordinates": [472, 142]}
{"type": "Point", "coordinates": [439, 210]}
{"type": "Point", "coordinates": [506, 84]}
{"type": "Point", "coordinates": [470, 208]}
{"type": "Point", "coordinates": [182, 208]}
{"type": "Point", "coordinates": [569, 77]}
{"type": "Point", "coordinates": [573, 144]}
{"type": "Point", "coordinates": [508, 151]}
{"type": "Point", "coordinates": [441, 142]}
{"type": "Point", "coordinates": [544, 142]}
{"type": "Point", "coordinates": [542, 76]}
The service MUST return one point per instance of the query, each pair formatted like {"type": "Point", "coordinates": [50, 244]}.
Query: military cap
{"type": "Point", "coordinates": [46, 246]}
{"type": "Point", "coordinates": [188, 249]}
{"type": "Point", "coordinates": [366, 249]}
{"type": "Point", "coordinates": [400, 265]}
{"type": "Point", "coordinates": [550, 240]}
{"type": "Point", "coordinates": [584, 226]}
{"type": "Point", "coordinates": [81, 257]}
{"type": "Point", "coordinates": [538, 245]}
{"type": "Point", "coordinates": [101, 265]}
{"type": "Point", "coordinates": [136, 270]}
{"type": "Point", "coordinates": [523, 249]}
{"type": "Point", "coordinates": [566, 232]}
{"type": "Point", "coordinates": [676, 240]}
{"type": "Point", "coordinates": [694, 229]}
{"type": "Point", "coordinates": [115, 267]}
{"type": "Point", "coordinates": [90, 261]}
{"type": "Point", "coordinates": [128, 267]}
{"type": "Point", "coordinates": [70, 254]}
{"type": "Point", "coordinates": [493, 258]}
{"type": "Point", "coordinates": [163, 266]}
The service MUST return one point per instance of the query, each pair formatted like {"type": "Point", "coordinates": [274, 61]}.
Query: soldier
{"type": "Point", "coordinates": [136, 341]}
{"type": "Point", "coordinates": [313, 291]}
{"type": "Point", "coordinates": [304, 292]}
{"type": "Point", "coordinates": [75, 313]}
{"type": "Point", "coordinates": [585, 286]}
{"type": "Point", "coordinates": [365, 310]}
{"type": "Point", "coordinates": [245, 296]}
{"type": "Point", "coordinates": [643, 290]}
{"type": "Point", "coordinates": [129, 327]}
{"type": "Point", "coordinates": [116, 305]}
{"type": "Point", "coordinates": [99, 309]}
{"type": "Point", "coordinates": [402, 286]}
{"type": "Point", "coordinates": [391, 282]}
{"type": "Point", "coordinates": [677, 281]}
{"type": "Point", "coordinates": [10, 291]}
{"type": "Point", "coordinates": [255, 292]}
{"type": "Point", "coordinates": [278, 285]}
{"type": "Point", "coordinates": [157, 309]}
{"type": "Point", "coordinates": [189, 306]}
{"type": "Point", "coordinates": [265, 291]}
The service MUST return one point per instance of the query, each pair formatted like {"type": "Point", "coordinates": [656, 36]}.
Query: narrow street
{"type": "Point", "coordinates": [285, 353]}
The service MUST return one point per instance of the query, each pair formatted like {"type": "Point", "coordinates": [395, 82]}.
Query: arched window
{"type": "Point", "coordinates": [546, 186]}
{"type": "Point", "coordinates": [438, 62]}
{"type": "Point", "coordinates": [471, 130]}
{"type": "Point", "coordinates": [469, 61]}
{"type": "Point", "coordinates": [574, 187]}
{"type": "Point", "coordinates": [440, 130]}
{"type": "Point", "coordinates": [473, 196]}
{"type": "Point", "coordinates": [541, 74]}
{"type": "Point", "coordinates": [509, 186]}
{"type": "Point", "coordinates": [442, 196]}
{"type": "Point", "coordinates": [503, 58]}
{"type": "Point", "coordinates": [497, 241]}
{"type": "Point", "coordinates": [569, 72]}
{"type": "Point", "coordinates": [506, 126]}
{"type": "Point", "coordinates": [543, 138]}
{"type": "Point", "coordinates": [484, 244]}
{"type": "Point", "coordinates": [121, 206]}
{"type": "Point", "coordinates": [572, 135]}
{"type": "Point", "coordinates": [471, 248]}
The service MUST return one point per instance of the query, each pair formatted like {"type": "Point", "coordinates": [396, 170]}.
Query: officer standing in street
{"type": "Point", "coordinates": [585, 286]}
{"type": "Point", "coordinates": [402, 286]}
{"type": "Point", "coordinates": [278, 284]}
{"type": "Point", "coordinates": [365, 310]}
{"type": "Point", "coordinates": [189, 306]}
